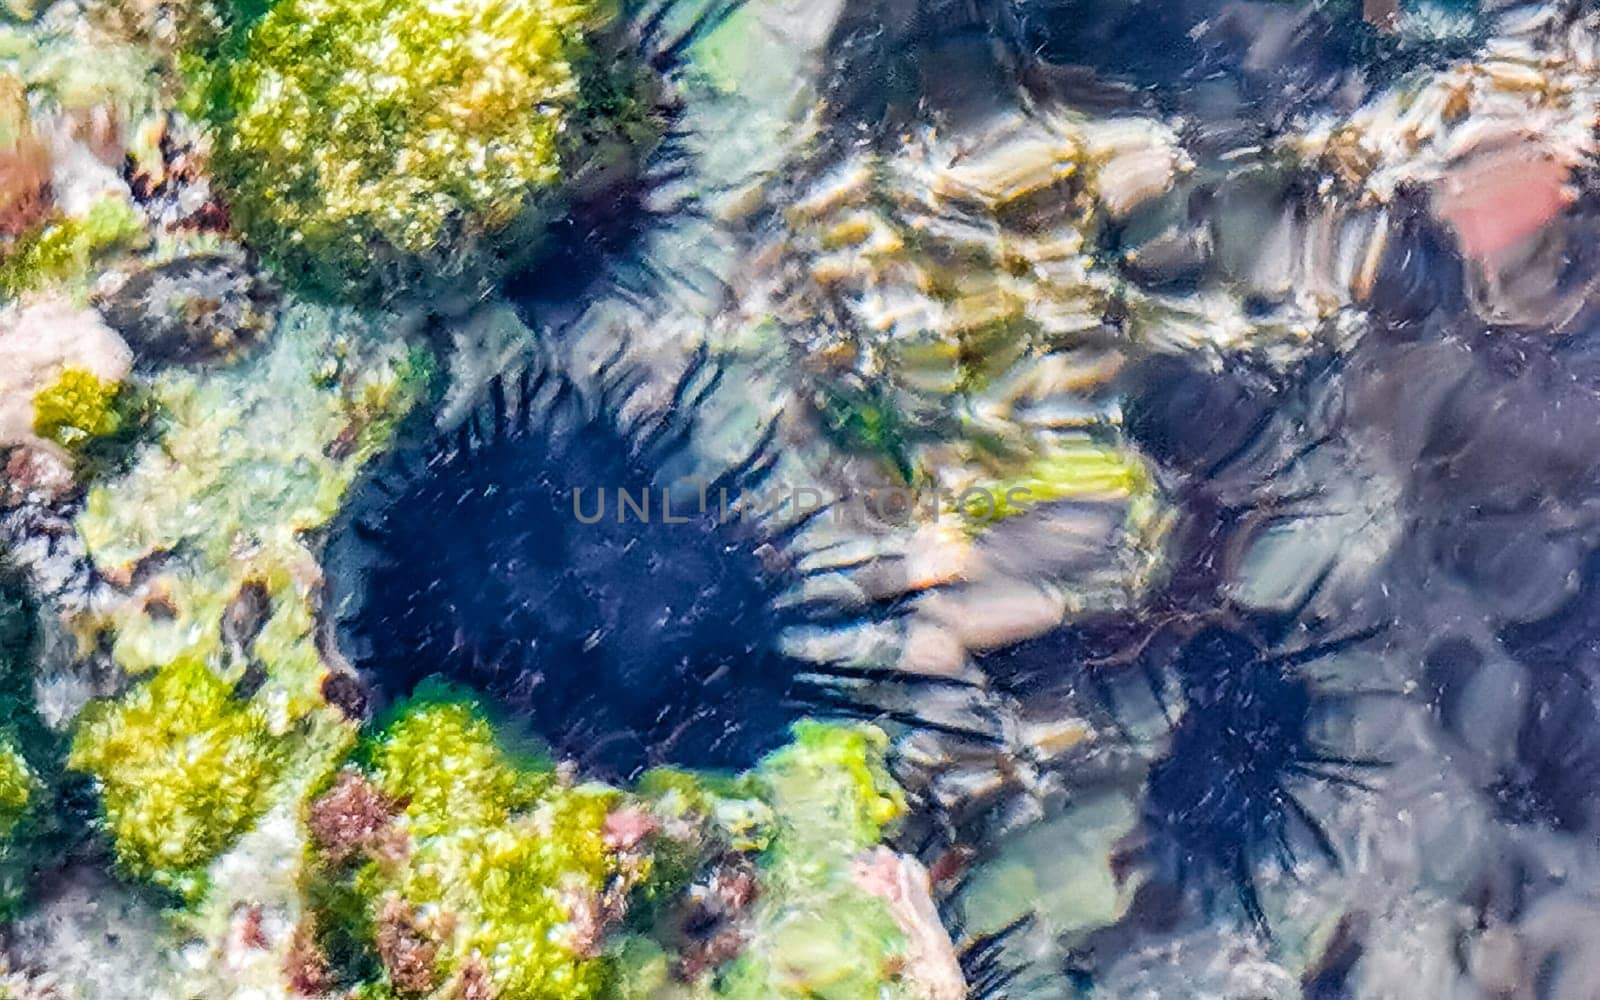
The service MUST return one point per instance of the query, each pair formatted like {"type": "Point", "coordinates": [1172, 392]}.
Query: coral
{"type": "Point", "coordinates": [473, 563]}
{"type": "Point", "coordinates": [340, 184]}
{"type": "Point", "coordinates": [183, 766]}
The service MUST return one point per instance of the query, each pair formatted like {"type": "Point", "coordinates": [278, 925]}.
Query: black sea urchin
{"type": "Point", "coordinates": [1235, 681]}
{"type": "Point", "coordinates": [626, 631]}
{"type": "Point", "coordinates": [1225, 795]}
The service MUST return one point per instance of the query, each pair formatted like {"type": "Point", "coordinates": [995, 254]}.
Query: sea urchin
{"type": "Point", "coordinates": [1226, 792]}
{"type": "Point", "coordinates": [628, 630]}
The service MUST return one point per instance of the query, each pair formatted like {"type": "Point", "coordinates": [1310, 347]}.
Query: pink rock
{"type": "Point", "coordinates": [902, 882]}
{"type": "Point", "coordinates": [1497, 198]}
{"type": "Point", "coordinates": [37, 344]}
{"type": "Point", "coordinates": [36, 474]}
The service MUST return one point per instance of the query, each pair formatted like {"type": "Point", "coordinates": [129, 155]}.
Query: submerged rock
{"type": "Point", "coordinates": [41, 345]}
{"type": "Point", "coordinates": [193, 310]}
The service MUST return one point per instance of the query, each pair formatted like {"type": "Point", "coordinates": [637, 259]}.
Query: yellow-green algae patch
{"type": "Point", "coordinates": [76, 408]}
{"type": "Point", "coordinates": [491, 868]}
{"type": "Point", "coordinates": [65, 248]}
{"type": "Point", "coordinates": [183, 768]}
{"type": "Point", "coordinates": [352, 133]}
{"type": "Point", "coordinates": [1078, 468]}
{"type": "Point", "coordinates": [18, 785]}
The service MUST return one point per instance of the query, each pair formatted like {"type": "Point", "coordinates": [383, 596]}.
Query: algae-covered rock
{"type": "Point", "coordinates": [357, 136]}
{"type": "Point", "coordinates": [823, 910]}
{"type": "Point", "coordinates": [450, 855]}
{"type": "Point", "coordinates": [183, 766]}
{"type": "Point", "coordinates": [223, 617]}
{"type": "Point", "coordinates": [86, 929]}
{"type": "Point", "coordinates": [60, 373]}
{"type": "Point", "coordinates": [249, 459]}
{"type": "Point", "coordinates": [451, 863]}
{"type": "Point", "coordinates": [197, 309]}
{"type": "Point", "coordinates": [817, 932]}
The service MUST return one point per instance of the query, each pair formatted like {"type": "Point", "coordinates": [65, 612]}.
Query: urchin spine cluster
{"type": "Point", "coordinates": [627, 638]}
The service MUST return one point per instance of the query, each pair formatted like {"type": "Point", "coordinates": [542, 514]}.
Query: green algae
{"type": "Point", "coordinates": [356, 137]}
{"type": "Point", "coordinates": [1074, 469]}
{"type": "Point", "coordinates": [19, 788]}
{"type": "Point", "coordinates": [64, 250]}
{"type": "Point", "coordinates": [76, 408]}
{"type": "Point", "coordinates": [183, 767]}
{"type": "Point", "coordinates": [831, 790]}
{"type": "Point", "coordinates": [867, 419]}
{"type": "Point", "coordinates": [441, 754]}
{"type": "Point", "coordinates": [491, 867]}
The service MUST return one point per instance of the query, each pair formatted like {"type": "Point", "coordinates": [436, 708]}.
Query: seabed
{"type": "Point", "coordinates": [830, 500]}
